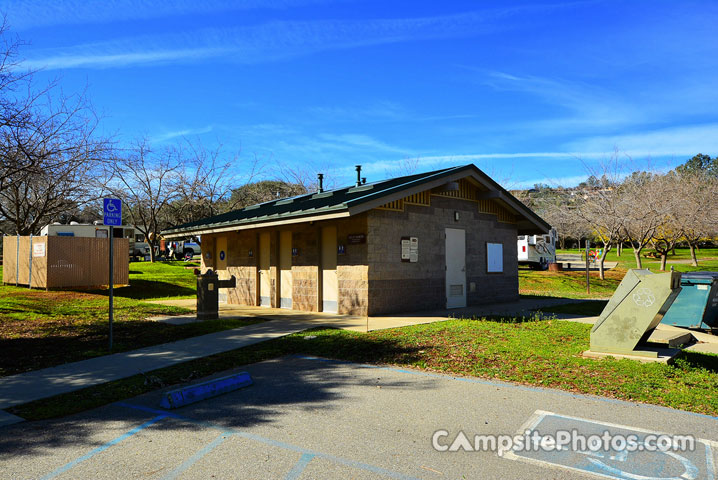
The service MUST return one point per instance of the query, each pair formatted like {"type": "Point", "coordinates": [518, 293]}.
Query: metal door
{"type": "Point", "coordinates": [265, 284]}
{"type": "Point", "coordinates": [221, 253]}
{"type": "Point", "coordinates": [285, 269]}
{"type": "Point", "coordinates": [455, 268]}
{"type": "Point", "coordinates": [330, 286]}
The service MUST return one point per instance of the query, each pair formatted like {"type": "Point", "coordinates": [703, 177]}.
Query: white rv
{"type": "Point", "coordinates": [537, 251]}
{"type": "Point", "coordinates": [138, 247]}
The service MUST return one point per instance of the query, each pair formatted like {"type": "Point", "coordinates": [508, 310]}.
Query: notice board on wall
{"type": "Point", "coordinates": [494, 257]}
{"type": "Point", "coordinates": [410, 249]}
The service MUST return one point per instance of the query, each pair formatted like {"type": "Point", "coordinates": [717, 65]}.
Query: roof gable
{"type": "Point", "coordinates": [354, 200]}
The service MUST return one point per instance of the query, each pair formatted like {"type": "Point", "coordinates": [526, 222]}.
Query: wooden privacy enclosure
{"type": "Point", "coordinates": [63, 262]}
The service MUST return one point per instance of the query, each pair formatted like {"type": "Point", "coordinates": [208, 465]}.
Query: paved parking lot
{"type": "Point", "coordinates": [307, 418]}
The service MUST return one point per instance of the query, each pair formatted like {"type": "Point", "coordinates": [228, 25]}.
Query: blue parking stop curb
{"type": "Point", "coordinates": [201, 391]}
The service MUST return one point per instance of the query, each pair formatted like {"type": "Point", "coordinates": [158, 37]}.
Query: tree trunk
{"type": "Point", "coordinates": [664, 257]}
{"type": "Point", "coordinates": [637, 254]}
{"type": "Point", "coordinates": [619, 249]}
{"type": "Point", "coordinates": [606, 249]}
{"type": "Point", "coordinates": [693, 254]}
{"type": "Point", "coordinates": [152, 252]}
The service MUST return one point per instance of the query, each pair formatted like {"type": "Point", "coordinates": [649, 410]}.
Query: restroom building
{"type": "Point", "coordinates": [441, 239]}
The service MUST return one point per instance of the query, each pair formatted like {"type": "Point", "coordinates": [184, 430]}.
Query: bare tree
{"type": "Point", "coordinates": [697, 215]}
{"type": "Point", "coordinates": [49, 160]}
{"type": "Point", "coordinates": [401, 168]}
{"type": "Point", "coordinates": [643, 212]}
{"type": "Point", "coordinates": [601, 210]}
{"type": "Point", "coordinates": [205, 181]}
{"type": "Point", "coordinates": [49, 150]}
{"type": "Point", "coordinates": [666, 193]}
{"type": "Point", "coordinates": [147, 183]}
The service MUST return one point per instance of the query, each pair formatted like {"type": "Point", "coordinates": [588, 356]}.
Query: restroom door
{"type": "Point", "coordinates": [285, 269]}
{"type": "Point", "coordinates": [265, 284]}
{"type": "Point", "coordinates": [455, 268]}
{"type": "Point", "coordinates": [330, 286]}
{"type": "Point", "coordinates": [221, 253]}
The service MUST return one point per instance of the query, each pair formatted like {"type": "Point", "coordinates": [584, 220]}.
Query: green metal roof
{"type": "Point", "coordinates": [353, 200]}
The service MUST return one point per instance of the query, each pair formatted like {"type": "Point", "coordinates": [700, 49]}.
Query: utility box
{"type": "Point", "coordinates": [635, 309]}
{"type": "Point", "coordinates": [208, 285]}
{"type": "Point", "coordinates": [697, 303]}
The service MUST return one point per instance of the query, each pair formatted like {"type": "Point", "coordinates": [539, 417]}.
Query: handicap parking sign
{"type": "Point", "coordinates": [113, 211]}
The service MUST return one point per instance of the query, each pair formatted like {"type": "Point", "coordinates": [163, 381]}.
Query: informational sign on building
{"type": "Point", "coordinates": [38, 249]}
{"type": "Point", "coordinates": [409, 249]}
{"type": "Point", "coordinates": [356, 238]}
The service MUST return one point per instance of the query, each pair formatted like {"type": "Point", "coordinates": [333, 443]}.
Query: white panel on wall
{"type": "Point", "coordinates": [494, 257]}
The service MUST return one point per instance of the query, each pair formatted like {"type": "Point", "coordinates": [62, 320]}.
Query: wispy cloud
{"type": "Point", "coordinates": [381, 111]}
{"type": "Point", "coordinates": [41, 13]}
{"type": "Point", "coordinates": [353, 141]}
{"type": "Point", "coordinates": [165, 136]}
{"type": "Point", "coordinates": [272, 41]}
{"type": "Point", "coordinates": [580, 105]}
{"type": "Point", "coordinates": [682, 141]}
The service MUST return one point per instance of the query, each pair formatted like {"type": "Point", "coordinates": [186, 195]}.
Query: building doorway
{"type": "Point", "coordinates": [330, 285]}
{"type": "Point", "coordinates": [285, 269]}
{"type": "Point", "coordinates": [455, 268]}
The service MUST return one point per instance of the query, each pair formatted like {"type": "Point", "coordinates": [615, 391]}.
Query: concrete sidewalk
{"type": "Point", "coordinates": [26, 387]}
{"type": "Point", "coordinates": [524, 306]}
{"type": "Point", "coordinates": [29, 386]}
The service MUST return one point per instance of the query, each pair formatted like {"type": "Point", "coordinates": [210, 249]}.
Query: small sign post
{"type": "Point", "coordinates": [588, 276]}
{"type": "Point", "coordinates": [112, 218]}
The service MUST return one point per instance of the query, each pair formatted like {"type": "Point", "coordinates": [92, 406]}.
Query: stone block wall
{"type": "Point", "coordinates": [396, 286]}
{"type": "Point", "coordinates": [306, 282]}
{"type": "Point", "coordinates": [352, 268]}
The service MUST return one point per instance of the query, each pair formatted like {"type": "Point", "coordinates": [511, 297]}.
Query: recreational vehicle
{"type": "Point", "coordinates": [537, 251]}
{"type": "Point", "coordinates": [138, 246]}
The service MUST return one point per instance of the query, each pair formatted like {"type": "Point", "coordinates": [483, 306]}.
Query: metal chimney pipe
{"type": "Point", "coordinates": [358, 175]}
{"type": "Point", "coordinates": [320, 176]}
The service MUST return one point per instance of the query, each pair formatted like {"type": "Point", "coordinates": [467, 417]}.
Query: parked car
{"type": "Point", "coordinates": [190, 247]}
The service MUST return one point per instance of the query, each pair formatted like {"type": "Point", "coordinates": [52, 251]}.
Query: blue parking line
{"type": "Point", "coordinates": [102, 448]}
{"type": "Point", "coordinates": [193, 459]}
{"type": "Point", "coordinates": [275, 443]}
{"type": "Point", "coordinates": [299, 467]}
{"type": "Point", "coordinates": [495, 383]}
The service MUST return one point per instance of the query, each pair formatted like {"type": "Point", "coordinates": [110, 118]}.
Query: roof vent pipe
{"type": "Point", "coordinates": [320, 177]}
{"type": "Point", "coordinates": [358, 175]}
{"type": "Point", "coordinates": [363, 180]}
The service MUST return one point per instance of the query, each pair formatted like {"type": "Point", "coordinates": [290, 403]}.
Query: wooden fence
{"type": "Point", "coordinates": [63, 262]}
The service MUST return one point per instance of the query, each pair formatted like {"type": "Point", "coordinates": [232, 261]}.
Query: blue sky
{"type": "Point", "coordinates": [528, 91]}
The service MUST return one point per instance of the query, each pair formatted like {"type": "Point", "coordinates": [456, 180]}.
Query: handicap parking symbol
{"type": "Point", "coordinates": [614, 451]}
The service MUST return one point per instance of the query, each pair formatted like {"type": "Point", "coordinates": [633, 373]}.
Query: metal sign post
{"type": "Point", "coordinates": [588, 277]}
{"type": "Point", "coordinates": [112, 218]}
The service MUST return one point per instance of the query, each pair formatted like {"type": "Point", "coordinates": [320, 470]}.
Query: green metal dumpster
{"type": "Point", "coordinates": [697, 303]}
{"type": "Point", "coordinates": [635, 309]}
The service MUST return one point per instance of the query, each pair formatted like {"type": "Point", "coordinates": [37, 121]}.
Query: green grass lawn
{"type": "Point", "coordinates": [40, 329]}
{"type": "Point", "coordinates": [573, 284]}
{"type": "Point", "coordinates": [707, 259]}
{"type": "Point", "coordinates": [587, 308]}
{"type": "Point", "coordinates": [541, 353]}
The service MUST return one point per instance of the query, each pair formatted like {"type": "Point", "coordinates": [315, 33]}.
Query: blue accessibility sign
{"type": "Point", "coordinates": [113, 211]}
{"type": "Point", "coordinates": [612, 451]}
